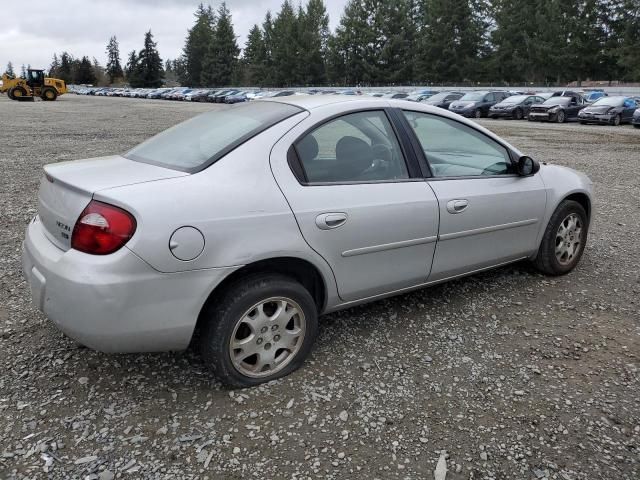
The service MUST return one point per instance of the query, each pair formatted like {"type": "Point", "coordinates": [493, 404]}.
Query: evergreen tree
{"type": "Point", "coordinates": [254, 58]}
{"type": "Point", "coordinates": [199, 39]}
{"type": "Point", "coordinates": [267, 35]}
{"type": "Point", "coordinates": [9, 71]}
{"type": "Point", "coordinates": [628, 35]}
{"type": "Point", "coordinates": [149, 71]}
{"type": "Point", "coordinates": [131, 68]}
{"type": "Point", "coordinates": [313, 37]}
{"type": "Point", "coordinates": [114, 68]}
{"type": "Point", "coordinates": [450, 41]}
{"type": "Point", "coordinates": [65, 71]}
{"type": "Point", "coordinates": [349, 48]}
{"type": "Point", "coordinates": [23, 71]}
{"type": "Point", "coordinates": [55, 66]}
{"type": "Point", "coordinates": [221, 58]}
{"type": "Point", "coordinates": [374, 43]}
{"type": "Point", "coordinates": [84, 72]}
{"type": "Point", "coordinates": [395, 33]}
{"type": "Point", "coordinates": [285, 47]}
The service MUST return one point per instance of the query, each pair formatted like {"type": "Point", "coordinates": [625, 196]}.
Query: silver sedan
{"type": "Point", "coordinates": [246, 223]}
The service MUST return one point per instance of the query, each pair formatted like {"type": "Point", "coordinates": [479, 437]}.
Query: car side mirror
{"type": "Point", "coordinates": [527, 166]}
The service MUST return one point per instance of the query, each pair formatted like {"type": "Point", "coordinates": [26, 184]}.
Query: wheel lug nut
{"type": "Point", "coordinates": [276, 338]}
{"type": "Point", "coordinates": [264, 329]}
{"type": "Point", "coordinates": [274, 327]}
{"type": "Point", "coordinates": [259, 341]}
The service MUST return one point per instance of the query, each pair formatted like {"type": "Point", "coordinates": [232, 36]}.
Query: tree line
{"type": "Point", "coordinates": [390, 43]}
{"type": "Point", "coordinates": [420, 42]}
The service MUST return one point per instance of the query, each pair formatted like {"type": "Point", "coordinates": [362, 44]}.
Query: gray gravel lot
{"type": "Point", "coordinates": [514, 375]}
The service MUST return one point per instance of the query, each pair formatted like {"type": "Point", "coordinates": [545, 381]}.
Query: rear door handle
{"type": "Point", "coordinates": [457, 206]}
{"type": "Point", "coordinates": [329, 221]}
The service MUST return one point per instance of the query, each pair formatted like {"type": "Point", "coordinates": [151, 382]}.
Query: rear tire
{"type": "Point", "coordinates": [16, 93]}
{"type": "Point", "coordinates": [564, 239]}
{"type": "Point", "coordinates": [248, 314]}
{"type": "Point", "coordinates": [636, 126]}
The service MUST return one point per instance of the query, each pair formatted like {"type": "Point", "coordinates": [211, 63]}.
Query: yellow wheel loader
{"type": "Point", "coordinates": [35, 85]}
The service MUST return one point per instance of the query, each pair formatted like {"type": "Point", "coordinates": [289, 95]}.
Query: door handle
{"type": "Point", "coordinates": [329, 221]}
{"type": "Point", "coordinates": [457, 206]}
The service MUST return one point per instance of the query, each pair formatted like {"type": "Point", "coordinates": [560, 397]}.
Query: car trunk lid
{"type": "Point", "coordinates": [67, 188]}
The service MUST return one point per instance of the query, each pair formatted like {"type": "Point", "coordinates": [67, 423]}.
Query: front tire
{"type": "Point", "coordinates": [261, 329]}
{"type": "Point", "coordinates": [564, 239]}
{"type": "Point", "coordinates": [560, 116]}
{"type": "Point", "coordinates": [616, 120]}
{"type": "Point", "coordinates": [477, 113]}
{"type": "Point", "coordinates": [517, 115]}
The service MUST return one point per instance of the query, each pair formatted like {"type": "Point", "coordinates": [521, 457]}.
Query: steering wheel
{"type": "Point", "coordinates": [382, 161]}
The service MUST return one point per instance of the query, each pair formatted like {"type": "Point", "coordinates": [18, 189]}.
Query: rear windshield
{"type": "Point", "coordinates": [197, 143]}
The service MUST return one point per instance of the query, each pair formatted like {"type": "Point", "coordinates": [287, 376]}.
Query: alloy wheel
{"type": "Point", "coordinates": [267, 337]}
{"type": "Point", "coordinates": [568, 239]}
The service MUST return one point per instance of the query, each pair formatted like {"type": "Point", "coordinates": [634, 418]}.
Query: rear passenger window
{"type": "Point", "coordinates": [359, 147]}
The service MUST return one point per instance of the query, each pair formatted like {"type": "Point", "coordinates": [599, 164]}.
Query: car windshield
{"type": "Point", "coordinates": [515, 99]}
{"type": "Point", "coordinates": [609, 102]}
{"type": "Point", "coordinates": [197, 143]}
{"type": "Point", "coordinates": [558, 101]}
{"type": "Point", "coordinates": [473, 97]}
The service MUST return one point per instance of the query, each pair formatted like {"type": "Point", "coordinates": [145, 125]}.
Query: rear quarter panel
{"type": "Point", "coordinates": [235, 203]}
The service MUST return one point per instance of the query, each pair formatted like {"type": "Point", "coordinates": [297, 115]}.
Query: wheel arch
{"type": "Point", "coordinates": [583, 199]}
{"type": "Point", "coordinates": [301, 270]}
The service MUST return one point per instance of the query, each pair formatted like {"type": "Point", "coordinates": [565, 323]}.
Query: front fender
{"type": "Point", "coordinates": [561, 182]}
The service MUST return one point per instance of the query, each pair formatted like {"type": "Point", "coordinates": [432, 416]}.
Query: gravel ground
{"type": "Point", "coordinates": [512, 374]}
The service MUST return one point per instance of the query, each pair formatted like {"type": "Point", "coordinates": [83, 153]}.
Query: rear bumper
{"type": "Point", "coordinates": [117, 302]}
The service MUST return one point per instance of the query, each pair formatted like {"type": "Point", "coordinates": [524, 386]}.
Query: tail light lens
{"type": "Point", "coordinates": [102, 229]}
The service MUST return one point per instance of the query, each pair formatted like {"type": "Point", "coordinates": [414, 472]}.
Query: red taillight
{"type": "Point", "coordinates": [102, 229]}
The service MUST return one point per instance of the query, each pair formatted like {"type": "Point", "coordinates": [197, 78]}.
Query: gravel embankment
{"type": "Point", "coordinates": [514, 375]}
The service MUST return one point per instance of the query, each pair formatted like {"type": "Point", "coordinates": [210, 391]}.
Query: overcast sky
{"type": "Point", "coordinates": [83, 27]}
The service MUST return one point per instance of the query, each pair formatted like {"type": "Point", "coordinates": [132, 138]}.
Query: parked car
{"type": "Point", "coordinates": [516, 106]}
{"type": "Point", "coordinates": [119, 265]}
{"type": "Point", "coordinates": [157, 93]}
{"type": "Point", "coordinates": [220, 95]}
{"type": "Point", "coordinates": [557, 109]}
{"type": "Point", "coordinates": [609, 110]}
{"type": "Point", "coordinates": [635, 121]}
{"type": "Point", "coordinates": [198, 95]}
{"type": "Point", "coordinates": [281, 93]}
{"type": "Point", "coordinates": [237, 97]}
{"type": "Point", "coordinates": [477, 104]}
{"type": "Point", "coordinates": [594, 95]}
{"type": "Point", "coordinates": [443, 99]}
{"type": "Point", "coordinates": [417, 97]}
{"type": "Point", "coordinates": [395, 95]}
